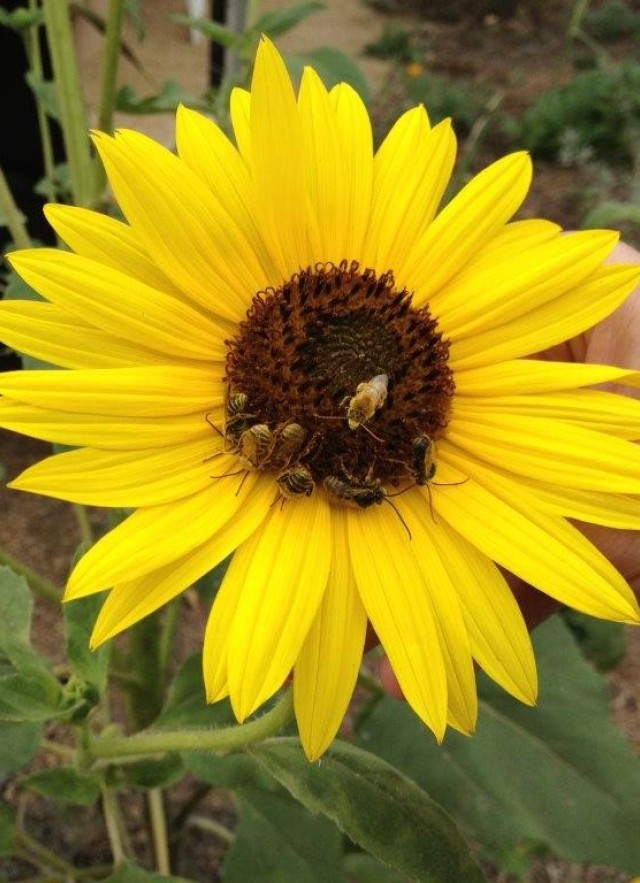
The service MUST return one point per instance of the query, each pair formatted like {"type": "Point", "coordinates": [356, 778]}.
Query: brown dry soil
{"type": "Point", "coordinates": [520, 56]}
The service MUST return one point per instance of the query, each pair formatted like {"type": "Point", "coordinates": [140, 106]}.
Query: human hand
{"type": "Point", "coordinates": [614, 341]}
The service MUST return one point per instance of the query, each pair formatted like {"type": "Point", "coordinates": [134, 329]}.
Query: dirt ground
{"type": "Point", "coordinates": [519, 57]}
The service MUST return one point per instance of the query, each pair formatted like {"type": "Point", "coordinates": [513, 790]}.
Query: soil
{"type": "Point", "coordinates": [519, 55]}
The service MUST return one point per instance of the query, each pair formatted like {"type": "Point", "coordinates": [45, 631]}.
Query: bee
{"type": "Point", "coordinates": [363, 494]}
{"type": "Point", "coordinates": [423, 466]}
{"type": "Point", "coordinates": [255, 445]}
{"type": "Point", "coordinates": [370, 397]}
{"type": "Point", "coordinates": [238, 418]}
{"type": "Point", "coordinates": [294, 483]}
{"type": "Point", "coordinates": [289, 441]}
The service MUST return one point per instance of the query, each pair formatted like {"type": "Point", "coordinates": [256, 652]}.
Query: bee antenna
{"type": "Point", "coordinates": [213, 457]}
{"type": "Point", "coordinates": [400, 493]}
{"type": "Point", "coordinates": [399, 514]}
{"type": "Point", "coordinates": [450, 483]}
{"type": "Point", "coordinates": [213, 425]}
{"type": "Point", "coordinates": [230, 474]}
{"type": "Point", "coordinates": [244, 478]}
{"type": "Point", "coordinates": [373, 435]}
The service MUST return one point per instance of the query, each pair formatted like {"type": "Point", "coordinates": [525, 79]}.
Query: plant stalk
{"type": "Point", "coordinates": [110, 60]}
{"type": "Point", "coordinates": [72, 116]}
{"type": "Point", "coordinates": [222, 740]}
{"type": "Point", "coordinates": [159, 830]}
{"type": "Point", "coordinates": [12, 215]}
{"type": "Point", "coordinates": [35, 67]}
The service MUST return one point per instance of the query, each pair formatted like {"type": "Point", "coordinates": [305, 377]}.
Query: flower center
{"type": "Point", "coordinates": [335, 379]}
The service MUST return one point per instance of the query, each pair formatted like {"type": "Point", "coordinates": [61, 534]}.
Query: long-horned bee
{"type": "Point", "coordinates": [295, 482]}
{"type": "Point", "coordinates": [423, 466]}
{"type": "Point", "coordinates": [363, 493]}
{"type": "Point", "coordinates": [370, 397]}
{"type": "Point", "coordinates": [238, 418]}
{"type": "Point", "coordinates": [255, 445]}
{"type": "Point", "coordinates": [288, 442]}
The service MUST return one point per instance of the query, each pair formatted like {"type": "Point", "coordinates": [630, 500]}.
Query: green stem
{"type": "Point", "coordinates": [159, 830]}
{"type": "Point", "coordinates": [212, 827]}
{"type": "Point", "coordinates": [72, 115]}
{"type": "Point", "coordinates": [221, 740]}
{"type": "Point", "coordinates": [12, 215]}
{"type": "Point", "coordinates": [58, 748]}
{"type": "Point", "coordinates": [112, 822]}
{"type": "Point", "coordinates": [39, 584]}
{"type": "Point", "coordinates": [84, 525]}
{"type": "Point", "coordinates": [110, 61]}
{"type": "Point", "coordinates": [35, 67]}
{"type": "Point", "coordinates": [44, 857]}
{"type": "Point", "coordinates": [577, 14]}
{"type": "Point", "coordinates": [166, 639]}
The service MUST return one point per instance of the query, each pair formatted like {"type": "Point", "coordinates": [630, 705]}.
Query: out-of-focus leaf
{"type": "Point", "coordinates": [160, 773]}
{"type": "Point", "coordinates": [603, 643]}
{"type": "Point", "coordinates": [333, 66]}
{"type": "Point", "coordinates": [213, 30]}
{"type": "Point", "coordinates": [19, 744]}
{"type": "Point", "coordinates": [186, 705]}
{"type": "Point", "coordinates": [21, 19]}
{"type": "Point", "coordinates": [170, 96]}
{"type": "Point", "coordinates": [7, 830]}
{"type": "Point", "coordinates": [65, 784]}
{"type": "Point", "coordinates": [277, 840]}
{"type": "Point", "coordinates": [45, 93]}
{"type": "Point", "coordinates": [279, 21]}
{"type": "Point", "coordinates": [611, 214]}
{"type": "Point", "coordinates": [363, 868]}
{"type": "Point", "coordinates": [79, 619]}
{"type": "Point", "coordinates": [135, 874]}
{"type": "Point", "coordinates": [558, 775]}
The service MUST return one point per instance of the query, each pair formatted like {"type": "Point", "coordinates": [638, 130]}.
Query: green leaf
{"type": "Point", "coordinates": [362, 868]}
{"type": "Point", "coordinates": [19, 743]}
{"type": "Point", "coordinates": [159, 773]}
{"type": "Point", "coordinates": [166, 100]}
{"type": "Point", "coordinates": [376, 807]}
{"type": "Point", "coordinates": [46, 94]}
{"type": "Point", "coordinates": [559, 774]}
{"type": "Point", "coordinates": [277, 840]}
{"type": "Point", "coordinates": [212, 29]}
{"type": "Point", "coordinates": [21, 18]}
{"type": "Point", "coordinates": [333, 66]}
{"type": "Point", "coordinates": [66, 784]}
{"type": "Point", "coordinates": [28, 698]}
{"type": "Point", "coordinates": [233, 771]}
{"type": "Point", "coordinates": [7, 830]}
{"type": "Point", "coordinates": [603, 643]}
{"type": "Point", "coordinates": [186, 705]}
{"type": "Point", "coordinates": [16, 607]}
{"type": "Point", "coordinates": [282, 20]}
{"type": "Point", "coordinates": [133, 10]}
{"type": "Point", "coordinates": [79, 619]}
{"type": "Point", "coordinates": [135, 874]}
{"type": "Point", "coordinates": [611, 214]}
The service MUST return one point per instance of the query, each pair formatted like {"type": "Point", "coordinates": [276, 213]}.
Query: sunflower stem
{"type": "Point", "coordinates": [113, 823]}
{"type": "Point", "coordinates": [72, 115]}
{"type": "Point", "coordinates": [222, 741]}
{"type": "Point", "coordinates": [34, 55]}
{"type": "Point", "coordinates": [159, 830]}
{"type": "Point", "coordinates": [11, 215]}
{"type": "Point", "coordinates": [110, 61]}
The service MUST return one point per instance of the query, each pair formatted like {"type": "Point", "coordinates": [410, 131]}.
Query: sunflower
{"type": "Point", "coordinates": [287, 353]}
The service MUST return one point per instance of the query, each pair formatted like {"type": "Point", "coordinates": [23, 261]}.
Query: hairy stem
{"type": "Point", "coordinates": [222, 740]}
{"type": "Point", "coordinates": [159, 830]}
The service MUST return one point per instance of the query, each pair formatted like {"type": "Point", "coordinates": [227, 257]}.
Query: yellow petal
{"type": "Point", "coordinates": [204, 147]}
{"type": "Point", "coordinates": [527, 376]}
{"type": "Point", "coordinates": [412, 168]}
{"type": "Point", "coordinates": [327, 668]}
{"type": "Point", "coordinates": [106, 431]}
{"type": "Point", "coordinates": [54, 335]}
{"type": "Point", "coordinates": [548, 450]}
{"type": "Point", "coordinates": [129, 602]}
{"type": "Point", "coordinates": [502, 520]}
{"type": "Point", "coordinates": [433, 563]}
{"type": "Point", "coordinates": [180, 225]}
{"type": "Point", "coordinates": [324, 173]}
{"type": "Point", "coordinates": [138, 545]}
{"type": "Point", "coordinates": [553, 322]}
{"type": "Point", "coordinates": [120, 305]}
{"type": "Point", "coordinates": [108, 241]}
{"type": "Point", "coordinates": [355, 140]}
{"type": "Point", "coordinates": [396, 601]}
{"type": "Point", "coordinates": [127, 479]}
{"type": "Point", "coordinates": [464, 225]}
{"type": "Point", "coordinates": [148, 391]}
{"type": "Point", "coordinates": [240, 109]}
{"type": "Point", "coordinates": [601, 411]}
{"type": "Point", "coordinates": [279, 599]}
{"type": "Point", "coordinates": [277, 164]}
{"type": "Point", "coordinates": [510, 286]}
